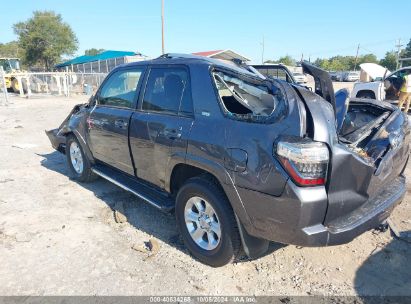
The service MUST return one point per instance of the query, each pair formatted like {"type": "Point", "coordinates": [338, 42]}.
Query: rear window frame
{"type": "Point", "coordinates": [274, 117]}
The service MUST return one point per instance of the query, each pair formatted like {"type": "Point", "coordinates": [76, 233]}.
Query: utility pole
{"type": "Point", "coordinates": [162, 26]}
{"type": "Point", "coordinates": [356, 57]}
{"type": "Point", "coordinates": [262, 51]}
{"type": "Point", "coordinates": [398, 46]}
{"type": "Point", "coordinates": [302, 57]}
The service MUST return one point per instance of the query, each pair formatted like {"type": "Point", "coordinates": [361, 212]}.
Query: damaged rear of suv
{"type": "Point", "coordinates": [242, 159]}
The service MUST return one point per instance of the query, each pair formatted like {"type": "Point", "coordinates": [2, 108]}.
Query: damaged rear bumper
{"type": "Point", "coordinates": [371, 214]}
{"type": "Point", "coordinates": [294, 218]}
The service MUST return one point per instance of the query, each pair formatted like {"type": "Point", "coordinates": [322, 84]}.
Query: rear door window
{"type": "Point", "coordinates": [168, 90]}
{"type": "Point", "coordinates": [120, 89]}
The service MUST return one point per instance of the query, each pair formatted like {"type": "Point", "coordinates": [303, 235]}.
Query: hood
{"type": "Point", "coordinates": [374, 70]}
{"type": "Point", "coordinates": [323, 84]}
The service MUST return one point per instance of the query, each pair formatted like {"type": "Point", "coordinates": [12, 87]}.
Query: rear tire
{"type": "Point", "coordinates": [78, 163]}
{"type": "Point", "coordinates": [16, 88]}
{"type": "Point", "coordinates": [210, 230]}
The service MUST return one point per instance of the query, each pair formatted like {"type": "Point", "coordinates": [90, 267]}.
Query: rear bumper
{"type": "Point", "coordinates": [294, 218]}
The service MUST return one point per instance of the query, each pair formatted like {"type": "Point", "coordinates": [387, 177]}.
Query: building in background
{"type": "Point", "coordinates": [100, 63]}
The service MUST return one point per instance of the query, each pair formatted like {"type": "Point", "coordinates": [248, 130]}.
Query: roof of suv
{"type": "Point", "coordinates": [192, 59]}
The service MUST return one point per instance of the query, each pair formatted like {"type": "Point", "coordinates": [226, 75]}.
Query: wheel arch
{"type": "Point", "coordinates": [68, 131]}
{"type": "Point", "coordinates": [253, 246]}
{"type": "Point", "coordinates": [365, 92]}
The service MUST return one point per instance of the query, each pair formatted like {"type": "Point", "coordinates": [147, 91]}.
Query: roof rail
{"type": "Point", "coordinates": [178, 55]}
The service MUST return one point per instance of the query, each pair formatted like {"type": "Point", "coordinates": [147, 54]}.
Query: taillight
{"type": "Point", "coordinates": [306, 162]}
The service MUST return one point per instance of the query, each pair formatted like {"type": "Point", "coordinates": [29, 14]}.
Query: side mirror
{"type": "Point", "coordinates": [92, 100]}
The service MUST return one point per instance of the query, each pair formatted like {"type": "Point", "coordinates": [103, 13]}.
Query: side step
{"type": "Point", "coordinates": [153, 197]}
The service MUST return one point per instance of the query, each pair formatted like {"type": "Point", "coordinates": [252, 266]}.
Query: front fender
{"type": "Point", "coordinates": [76, 124]}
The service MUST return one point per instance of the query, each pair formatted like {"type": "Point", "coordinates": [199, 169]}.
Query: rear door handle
{"type": "Point", "coordinates": [121, 124]}
{"type": "Point", "coordinates": [172, 133]}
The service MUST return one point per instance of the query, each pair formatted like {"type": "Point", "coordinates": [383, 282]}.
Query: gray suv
{"type": "Point", "coordinates": [241, 159]}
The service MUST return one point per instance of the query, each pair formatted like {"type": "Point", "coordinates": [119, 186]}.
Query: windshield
{"type": "Point", "coordinates": [15, 64]}
{"type": "Point", "coordinates": [10, 64]}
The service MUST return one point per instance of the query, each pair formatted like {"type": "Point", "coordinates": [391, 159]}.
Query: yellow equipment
{"type": "Point", "coordinates": [11, 67]}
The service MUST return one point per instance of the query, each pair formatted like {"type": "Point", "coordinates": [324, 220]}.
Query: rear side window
{"type": "Point", "coordinates": [247, 99]}
{"type": "Point", "coordinates": [120, 89]}
{"type": "Point", "coordinates": [168, 90]}
{"type": "Point", "coordinates": [274, 72]}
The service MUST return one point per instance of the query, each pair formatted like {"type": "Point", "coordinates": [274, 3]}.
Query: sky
{"type": "Point", "coordinates": [320, 28]}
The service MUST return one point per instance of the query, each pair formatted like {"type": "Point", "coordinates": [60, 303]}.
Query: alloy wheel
{"type": "Point", "coordinates": [202, 223]}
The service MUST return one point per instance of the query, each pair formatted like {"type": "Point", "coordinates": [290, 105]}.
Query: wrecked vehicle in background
{"type": "Point", "coordinates": [241, 159]}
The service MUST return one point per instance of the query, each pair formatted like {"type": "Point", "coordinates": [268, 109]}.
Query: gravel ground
{"type": "Point", "coordinates": [60, 237]}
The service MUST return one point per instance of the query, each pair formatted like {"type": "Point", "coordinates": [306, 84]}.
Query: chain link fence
{"type": "Point", "coordinates": [62, 83]}
{"type": "Point", "coordinates": [58, 83]}
{"type": "Point", "coordinates": [100, 66]}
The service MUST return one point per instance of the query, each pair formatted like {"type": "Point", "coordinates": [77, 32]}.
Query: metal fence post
{"type": "Point", "coordinates": [67, 82]}
{"type": "Point", "coordinates": [3, 86]}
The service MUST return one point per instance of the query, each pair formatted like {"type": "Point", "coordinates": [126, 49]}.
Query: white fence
{"type": "Point", "coordinates": [3, 88]}
{"type": "Point", "coordinates": [57, 83]}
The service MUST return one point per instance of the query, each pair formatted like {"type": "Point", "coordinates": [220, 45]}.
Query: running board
{"type": "Point", "coordinates": [153, 197]}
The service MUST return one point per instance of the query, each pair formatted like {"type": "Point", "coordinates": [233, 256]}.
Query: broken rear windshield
{"type": "Point", "coordinates": [254, 100]}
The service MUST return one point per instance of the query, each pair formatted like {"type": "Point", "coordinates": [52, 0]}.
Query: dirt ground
{"type": "Point", "coordinates": [59, 237]}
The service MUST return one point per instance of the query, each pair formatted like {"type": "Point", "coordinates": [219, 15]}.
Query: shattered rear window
{"type": "Point", "coordinates": [247, 99]}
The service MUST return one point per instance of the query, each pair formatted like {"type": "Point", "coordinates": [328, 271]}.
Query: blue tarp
{"type": "Point", "coordinates": [102, 56]}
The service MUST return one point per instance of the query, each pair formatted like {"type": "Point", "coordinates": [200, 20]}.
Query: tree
{"type": "Point", "coordinates": [367, 58]}
{"type": "Point", "coordinates": [45, 38]}
{"type": "Point", "coordinates": [344, 63]}
{"type": "Point", "coordinates": [389, 61]}
{"type": "Point", "coordinates": [10, 49]}
{"type": "Point", "coordinates": [286, 60]}
{"type": "Point", "coordinates": [93, 52]}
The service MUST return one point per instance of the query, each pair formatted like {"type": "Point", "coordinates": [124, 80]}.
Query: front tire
{"type": "Point", "coordinates": [78, 164]}
{"type": "Point", "coordinates": [207, 223]}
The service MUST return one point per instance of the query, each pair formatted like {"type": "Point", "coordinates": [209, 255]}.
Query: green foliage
{"type": "Point", "coordinates": [286, 60]}
{"type": "Point", "coordinates": [10, 49]}
{"type": "Point", "coordinates": [389, 61]}
{"type": "Point", "coordinates": [344, 63]}
{"type": "Point", "coordinates": [93, 52]}
{"type": "Point", "coordinates": [368, 58]}
{"type": "Point", "coordinates": [45, 38]}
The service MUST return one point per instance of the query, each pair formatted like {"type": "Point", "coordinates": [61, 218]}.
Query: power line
{"type": "Point", "coordinates": [356, 57]}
